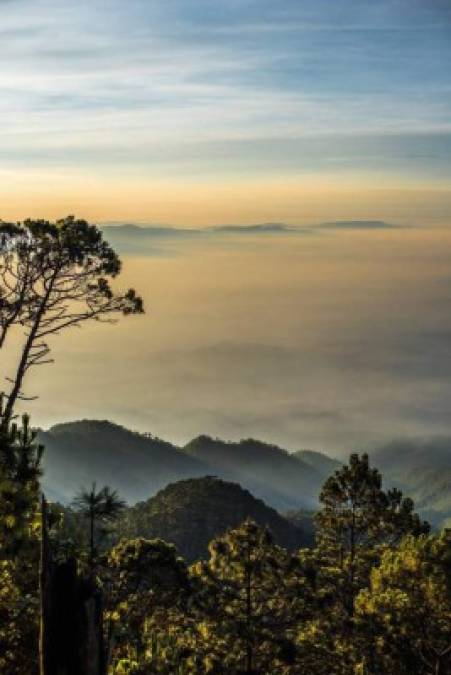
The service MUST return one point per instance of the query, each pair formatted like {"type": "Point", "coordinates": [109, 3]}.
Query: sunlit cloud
{"type": "Point", "coordinates": [337, 340]}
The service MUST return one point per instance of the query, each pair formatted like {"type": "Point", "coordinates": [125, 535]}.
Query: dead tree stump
{"type": "Point", "coordinates": [71, 628]}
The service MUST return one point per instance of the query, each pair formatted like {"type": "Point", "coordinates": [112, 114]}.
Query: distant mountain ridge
{"type": "Point", "coordinates": [135, 230]}
{"type": "Point", "coordinates": [159, 239]}
{"type": "Point", "coordinates": [269, 472]}
{"type": "Point", "coordinates": [142, 231]}
{"type": "Point", "coordinates": [78, 453]}
{"type": "Point", "coordinates": [322, 463]}
{"type": "Point", "coordinates": [422, 469]}
{"type": "Point", "coordinates": [261, 227]}
{"type": "Point", "coordinates": [140, 465]}
{"type": "Point", "coordinates": [359, 225]}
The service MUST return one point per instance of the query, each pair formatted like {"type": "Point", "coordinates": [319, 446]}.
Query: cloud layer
{"type": "Point", "coordinates": [336, 340]}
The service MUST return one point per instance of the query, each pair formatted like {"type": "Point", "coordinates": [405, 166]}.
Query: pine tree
{"type": "Point", "coordinates": [20, 470]}
{"type": "Point", "coordinates": [254, 594]}
{"type": "Point", "coordinates": [99, 508]}
{"type": "Point", "coordinates": [356, 521]}
{"type": "Point", "coordinates": [405, 615]}
{"type": "Point", "coordinates": [145, 583]}
{"type": "Point", "coordinates": [54, 276]}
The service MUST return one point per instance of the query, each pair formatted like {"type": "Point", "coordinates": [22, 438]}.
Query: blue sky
{"type": "Point", "coordinates": [214, 89]}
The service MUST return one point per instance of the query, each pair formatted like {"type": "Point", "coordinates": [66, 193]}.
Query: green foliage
{"type": "Point", "coordinates": [18, 623]}
{"type": "Point", "coordinates": [304, 521]}
{"type": "Point", "coordinates": [407, 608]}
{"type": "Point", "coordinates": [356, 521]}
{"type": "Point", "coordinates": [253, 594]}
{"type": "Point", "coordinates": [142, 580]}
{"type": "Point", "coordinates": [236, 613]}
{"type": "Point", "coordinates": [20, 459]}
{"type": "Point", "coordinates": [20, 470]}
{"type": "Point", "coordinates": [373, 597]}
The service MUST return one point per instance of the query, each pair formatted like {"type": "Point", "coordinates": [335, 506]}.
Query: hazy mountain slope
{"type": "Point", "coordinates": [266, 470]}
{"type": "Point", "coordinates": [322, 463]}
{"type": "Point", "coordinates": [79, 453]}
{"type": "Point", "coordinates": [190, 513]}
{"type": "Point", "coordinates": [431, 491]}
{"type": "Point", "coordinates": [422, 469]}
{"type": "Point", "coordinates": [395, 456]}
{"type": "Point", "coordinates": [138, 466]}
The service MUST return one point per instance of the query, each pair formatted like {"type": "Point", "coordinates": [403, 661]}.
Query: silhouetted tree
{"type": "Point", "coordinates": [17, 276]}
{"type": "Point", "coordinates": [54, 276]}
{"type": "Point", "coordinates": [99, 507]}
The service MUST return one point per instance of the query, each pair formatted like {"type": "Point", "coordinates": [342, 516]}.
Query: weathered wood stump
{"type": "Point", "coordinates": [71, 617]}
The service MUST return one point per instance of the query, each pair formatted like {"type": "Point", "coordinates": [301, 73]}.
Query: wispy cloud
{"type": "Point", "coordinates": [201, 86]}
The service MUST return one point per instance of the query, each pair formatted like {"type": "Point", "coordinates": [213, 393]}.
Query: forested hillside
{"type": "Point", "coordinates": [191, 513]}
{"type": "Point", "coordinates": [371, 596]}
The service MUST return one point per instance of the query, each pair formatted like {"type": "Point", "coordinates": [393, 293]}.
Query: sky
{"type": "Point", "coordinates": [197, 112]}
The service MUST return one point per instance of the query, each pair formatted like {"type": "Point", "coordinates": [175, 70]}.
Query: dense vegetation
{"type": "Point", "coordinates": [372, 596]}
